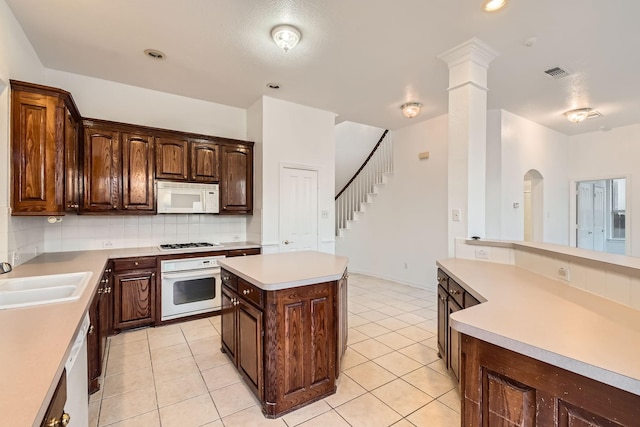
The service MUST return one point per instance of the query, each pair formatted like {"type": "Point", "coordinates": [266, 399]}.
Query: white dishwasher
{"type": "Point", "coordinates": [77, 405]}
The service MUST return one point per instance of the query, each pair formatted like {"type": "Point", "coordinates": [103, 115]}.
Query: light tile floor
{"type": "Point", "coordinates": [391, 375]}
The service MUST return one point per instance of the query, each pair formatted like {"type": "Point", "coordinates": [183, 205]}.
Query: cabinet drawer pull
{"type": "Point", "coordinates": [454, 291]}
{"type": "Point", "coordinates": [246, 292]}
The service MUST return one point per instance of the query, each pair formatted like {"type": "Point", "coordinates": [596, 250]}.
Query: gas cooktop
{"type": "Point", "coordinates": [177, 246]}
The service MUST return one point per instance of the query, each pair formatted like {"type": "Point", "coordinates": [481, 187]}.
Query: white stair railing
{"type": "Point", "coordinates": [362, 185]}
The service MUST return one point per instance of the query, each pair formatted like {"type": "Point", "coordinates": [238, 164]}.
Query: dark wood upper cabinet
{"type": "Point", "coordinates": [71, 162]}
{"type": "Point", "coordinates": [101, 170]}
{"type": "Point", "coordinates": [236, 183]}
{"type": "Point", "coordinates": [204, 162]}
{"type": "Point", "coordinates": [118, 170]}
{"type": "Point", "coordinates": [44, 141]}
{"type": "Point", "coordinates": [137, 172]}
{"type": "Point", "coordinates": [172, 158]}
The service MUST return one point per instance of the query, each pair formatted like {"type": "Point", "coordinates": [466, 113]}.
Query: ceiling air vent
{"type": "Point", "coordinates": [557, 72]}
{"type": "Point", "coordinates": [594, 114]}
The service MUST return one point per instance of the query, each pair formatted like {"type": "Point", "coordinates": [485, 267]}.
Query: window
{"type": "Point", "coordinates": [618, 205]}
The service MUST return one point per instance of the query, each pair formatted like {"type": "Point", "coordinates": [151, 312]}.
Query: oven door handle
{"type": "Point", "coordinates": [192, 274]}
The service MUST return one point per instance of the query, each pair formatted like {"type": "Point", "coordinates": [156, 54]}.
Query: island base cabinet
{"type": "Point", "coordinates": [300, 354]}
{"type": "Point", "coordinates": [284, 342]}
{"type": "Point", "coordinates": [504, 388]}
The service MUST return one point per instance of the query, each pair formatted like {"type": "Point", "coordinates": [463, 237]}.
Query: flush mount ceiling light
{"type": "Point", "coordinates": [155, 54]}
{"type": "Point", "coordinates": [286, 36]}
{"type": "Point", "coordinates": [578, 115]}
{"type": "Point", "coordinates": [410, 109]}
{"type": "Point", "coordinates": [493, 5]}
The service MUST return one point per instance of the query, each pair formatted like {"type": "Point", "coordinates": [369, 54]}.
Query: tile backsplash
{"type": "Point", "coordinates": [87, 232]}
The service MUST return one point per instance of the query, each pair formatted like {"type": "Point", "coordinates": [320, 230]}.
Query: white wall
{"type": "Point", "coordinates": [18, 61]}
{"type": "Point", "coordinates": [296, 135]}
{"type": "Point", "coordinates": [525, 145]}
{"type": "Point", "coordinates": [354, 142]}
{"type": "Point", "coordinates": [616, 153]}
{"type": "Point", "coordinates": [407, 221]}
{"type": "Point", "coordinates": [107, 100]}
{"type": "Point", "coordinates": [254, 133]}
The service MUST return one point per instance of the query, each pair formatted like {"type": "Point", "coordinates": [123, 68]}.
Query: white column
{"type": "Point", "coordinates": [468, 64]}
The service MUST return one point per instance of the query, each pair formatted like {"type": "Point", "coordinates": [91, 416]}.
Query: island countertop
{"type": "Point", "coordinates": [549, 320]}
{"type": "Point", "coordinates": [272, 272]}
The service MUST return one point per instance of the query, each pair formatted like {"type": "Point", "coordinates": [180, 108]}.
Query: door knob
{"type": "Point", "coordinates": [286, 242]}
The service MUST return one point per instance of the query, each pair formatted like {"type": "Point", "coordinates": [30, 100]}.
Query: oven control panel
{"type": "Point", "coordinates": [190, 263]}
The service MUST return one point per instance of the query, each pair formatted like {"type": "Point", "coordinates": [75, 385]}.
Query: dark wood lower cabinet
{"type": "Point", "coordinates": [101, 318]}
{"type": "Point", "coordinates": [55, 411]}
{"type": "Point", "coordinates": [134, 296]}
{"type": "Point", "coordinates": [285, 342]}
{"type": "Point", "coordinates": [504, 388]}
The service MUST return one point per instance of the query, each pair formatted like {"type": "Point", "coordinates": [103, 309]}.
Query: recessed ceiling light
{"type": "Point", "coordinates": [155, 54]}
{"type": "Point", "coordinates": [493, 5]}
{"type": "Point", "coordinates": [273, 85]}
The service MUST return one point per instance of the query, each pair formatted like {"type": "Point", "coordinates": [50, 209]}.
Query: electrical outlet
{"type": "Point", "coordinates": [106, 244]}
{"type": "Point", "coordinates": [563, 273]}
{"type": "Point", "coordinates": [324, 214]}
{"type": "Point", "coordinates": [482, 253]}
{"type": "Point", "coordinates": [236, 237]}
{"type": "Point", "coordinates": [15, 257]}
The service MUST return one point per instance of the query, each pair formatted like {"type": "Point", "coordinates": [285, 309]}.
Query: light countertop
{"type": "Point", "coordinates": [287, 270]}
{"type": "Point", "coordinates": [35, 342]}
{"type": "Point", "coordinates": [549, 320]}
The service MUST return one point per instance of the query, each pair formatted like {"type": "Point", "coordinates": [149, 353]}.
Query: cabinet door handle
{"type": "Point", "coordinates": [90, 331]}
{"type": "Point", "coordinates": [246, 292]}
{"type": "Point", "coordinates": [62, 421]}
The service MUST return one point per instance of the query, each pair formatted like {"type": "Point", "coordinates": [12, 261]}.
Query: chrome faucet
{"type": "Point", "coordinates": [5, 267]}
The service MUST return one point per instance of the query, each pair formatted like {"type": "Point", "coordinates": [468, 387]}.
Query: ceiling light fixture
{"type": "Point", "coordinates": [493, 5]}
{"type": "Point", "coordinates": [286, 36]}
{"type": "Point", "coordinates": [411, 109]}
{"type": "Point", "coordinates": [578, 115]}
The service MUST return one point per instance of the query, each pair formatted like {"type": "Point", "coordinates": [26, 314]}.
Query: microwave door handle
{"type": "Point", "coordinates": [197, 274]}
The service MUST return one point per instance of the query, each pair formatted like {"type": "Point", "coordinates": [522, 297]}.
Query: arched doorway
{"type": "Point", "coordinates": [533, 206]}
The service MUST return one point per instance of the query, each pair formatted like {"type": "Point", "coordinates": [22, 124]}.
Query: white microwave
{"type": "Point", "coordinates": [184, 197]}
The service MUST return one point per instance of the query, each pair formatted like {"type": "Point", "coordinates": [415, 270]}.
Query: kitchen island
{"type": "Point", "coordinates": [284, 323]}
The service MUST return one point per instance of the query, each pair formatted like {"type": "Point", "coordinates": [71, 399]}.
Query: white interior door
{"type": "Point", "coordinates": [298, 209]}
{"type": "Point", "coordinates": [599, 214]}
{"type": "Point", "coordinates": [585, 215]}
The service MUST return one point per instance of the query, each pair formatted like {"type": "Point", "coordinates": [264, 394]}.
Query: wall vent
{"type": "Point", "coordinates": [557, 72]}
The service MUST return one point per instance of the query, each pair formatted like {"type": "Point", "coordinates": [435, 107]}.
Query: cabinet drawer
{"type": "Point", "coordinates": [134, 263]}
{"type": "Point", "coordinates": [442, 279]}
{"type": "Point", "coordinates": [457, 292]}
{"type": "Point", "coordinates": [229, 280]}
{"type": "Point", "coordinates": [243, 252]}
{"type": "Point", "coordinates": [250, 292]}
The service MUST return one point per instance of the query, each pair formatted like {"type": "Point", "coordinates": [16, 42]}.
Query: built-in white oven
{"type": "Point", "coordinates": [190, 286]}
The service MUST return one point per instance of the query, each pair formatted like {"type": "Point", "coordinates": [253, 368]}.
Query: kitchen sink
{"type": "Point", "coordinates": [37, 290]}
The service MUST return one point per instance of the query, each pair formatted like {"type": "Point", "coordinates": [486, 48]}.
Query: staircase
{"type": "Point", "coordinates": [363, 186]}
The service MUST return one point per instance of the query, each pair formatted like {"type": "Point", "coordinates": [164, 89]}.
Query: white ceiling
{"type": "Point", "coordinates": [358, 58]}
